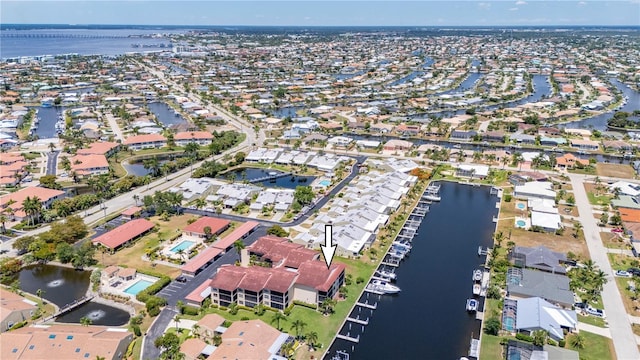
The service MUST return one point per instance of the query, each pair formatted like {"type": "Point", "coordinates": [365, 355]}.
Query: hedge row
{"type": "Point", "coordinates": [154, 288]}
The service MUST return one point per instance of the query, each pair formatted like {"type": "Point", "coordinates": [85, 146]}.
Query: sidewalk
{"type": "Point", "coordinates": [594, 329]}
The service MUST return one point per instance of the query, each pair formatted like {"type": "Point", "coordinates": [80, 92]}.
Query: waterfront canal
{"type": "Point", "coordinates": [427, 320]}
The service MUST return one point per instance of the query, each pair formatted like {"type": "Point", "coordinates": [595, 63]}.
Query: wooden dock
{"type": "Point", "coordinates": [83, 300]}
{"type": "Point", "coordinates": [474, 348]}
{"type": "Point", "coordinates": [269, 177]}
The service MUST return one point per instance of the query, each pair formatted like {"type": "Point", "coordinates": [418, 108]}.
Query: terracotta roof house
{"type": "Point", "coordinates": [14, 200]}
{"type": "Point", "coordinates": [198, 137]}
{"type": "Point", "coordinates": [196, 229]}
{"type": "Point", "coordinates": [14, 309]}
{"type": "Point", "coordinates": [64, 342]}
{"type": "Point", "coordinates": [124, 233]}
{"type": "Point", "coordinates": [250, 339]}
{"type": "Point", "coordinates": [147, 141]}
{"type": "Point", "coordinates": [105, 148]}
{"type": "Point", "coordinates": [86, 165]}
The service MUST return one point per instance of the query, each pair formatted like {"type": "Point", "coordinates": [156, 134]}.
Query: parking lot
{"type": "Point", "coordinates": [172, 288]}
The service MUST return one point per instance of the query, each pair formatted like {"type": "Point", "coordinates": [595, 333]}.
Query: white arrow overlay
{"type": "Point", "coordinates": [328, 249]}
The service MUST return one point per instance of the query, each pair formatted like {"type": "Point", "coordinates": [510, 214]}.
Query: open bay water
{"type": "Point", "coordinates": [428, 320]}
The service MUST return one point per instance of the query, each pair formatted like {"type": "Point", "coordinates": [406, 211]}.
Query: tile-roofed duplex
{"type": "Point", "coordinates": [85, 165]}
{"type": "Point", "coordinates": [124, 233]}
{"type": "Point", "coordinates": [196, 229]}
{"type": "Point", "coordinates": [14, 200]}
{"type": "Point", "coordinates": [64, 342]}
{"type": "Point", "coordinates": [199, 137]}
{"type": "Point", "coordinates": [147, 141]}
{"type": "Point", "coordinates": [105, 148]}
{"type": "Point", "coordinates": [14, 309]}
{"type": "Point", "coordinates": [280, 252]}
{"type": "Point", "coordinates": [250, 339]}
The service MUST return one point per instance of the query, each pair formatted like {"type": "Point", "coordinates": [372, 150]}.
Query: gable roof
{"type": "Point", "coordinates": [123, 233]}
{"type": "Point", "coordinates": [536, 313]}
{"type": "Point", "coordinates": [532, 283]}
{"type": "Point", "coordinates": [541, 258]}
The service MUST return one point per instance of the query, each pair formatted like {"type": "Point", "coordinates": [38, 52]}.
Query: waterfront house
{"type": "Point", "coordinates": [540, 258]}
{"type": "Point", "coordinates": [535, 190]}
{"type": "Point", "coordinates": [463, 135]}
{"type": "Point", "coordinates": [585, 144]}
{"type": "Point", "coordinates": [535, 314]}
{"type": "Point", "coordinates": [546, 221]}
{"type": "Point", "coordinates": [146, 141]}
{"type": "Point", "coordinates": [527, 283]}
{"type": "Point", "coordinates": [60, 341]}
{"type": "Point", "coordinates": [569, 161]}
{"type": "Point", "coordinates": [472, 171]}
{"type": "Point", "coordinates": [397, 145]}
{"type": "Point", "coordinates": [14, 309]}
{"type": "Point", "coordinates": [616, 145]}
{"type": "Point", "coordinates": [494, 136]}
{"type": "Point", "coordinates": [521, 138]}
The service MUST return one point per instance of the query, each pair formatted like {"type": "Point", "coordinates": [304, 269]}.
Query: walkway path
{"type": "Point", "coordinates": [623, 338]}
{"type": "Point", "coordinates": [114, 126]}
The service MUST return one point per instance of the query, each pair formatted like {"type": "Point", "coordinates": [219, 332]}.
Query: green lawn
{"type": "Point", "coordinates": [596, 347]}
{"type": "Point", "coordinates": [592, 320]}
{"type": "Point", "coordinates": [490, 347]}
{"type": "Point", "coordinates": [598, 200]}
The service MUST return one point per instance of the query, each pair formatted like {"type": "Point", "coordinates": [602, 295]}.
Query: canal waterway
{"type": "Point", "coordinates": [427, 320]}
{"type": "Point", "coordinates": [48, 118]}
{"type": "Point", "coordinates": [165, 114]}
{"type": "Point", "coordinates": [62, 286]}
{"type": "Point", "coordinates": [251, 174]}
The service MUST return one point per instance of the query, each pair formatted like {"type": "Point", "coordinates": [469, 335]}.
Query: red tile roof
{"type": "Point", "coordinates": [201, 259]}
{"type": "Point", "coordinates": [131, 211]}
{"type": "Point", "coordinates": [236, 234]}
{"type": "Point", "coordinates": [316, 275]}
{"type": "Point", "coordinates": [254, 278]}
{"type": "Point", "coordinates": [196, 295]}
{"type": "Point", "coordinates": [193, 135]}
{"type": "Point", "coordinates": [123, 233]}
{"type": "Point", "coordinates": [98, 148]}
{"type": "Point", "coordinates": [215, 224]}
{"type": "Point", "coordinates": [282, 252]}
{"type": "Point", "coordinates": [146, 138]}
{"type": "Point", "coordinates": [19, 196]}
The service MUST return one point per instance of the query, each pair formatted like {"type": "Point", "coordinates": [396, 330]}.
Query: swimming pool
{"type": "Point", "coordinates": [182, 246]}
{"type": "Point", "coordinates": [521, 206]}
{"type": "Point", "coordinates": [509, 323]}
{"type": "Point", "coordinates": [138, 286]}
{"type": "Point", "coordinates": [521, 223]}
{"type": "Point", "coordinates": [325, 183]}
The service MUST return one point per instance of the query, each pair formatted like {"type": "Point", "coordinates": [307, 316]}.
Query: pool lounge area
{"type": "Point", "coordinates": [184, 245]}
{"type": "Point", "coordinates": [138, 286]}
{"type": "Point", "coordinates": [124, 281]}
{"type": "Point", "coordinates": [522, 223]}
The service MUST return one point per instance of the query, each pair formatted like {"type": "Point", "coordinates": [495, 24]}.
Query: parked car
{"type": "Point", "coordinates": [634, 271]}
{"type": "Point", "coordinates": [623, 273]}
{"type": "Point", "coordinates": [595, 312]}
{"type": "Point", "coordinates": [182, 279]}
{"type": "Point", "coordinates": [580, 305]}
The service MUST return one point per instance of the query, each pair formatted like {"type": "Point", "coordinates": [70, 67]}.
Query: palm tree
{"type": "Point", "coordinates": [152, 165]}
{"type": "Point", "coordinates": [577, 226]}
{"type": "Point", "coordinates": [3, 220]}
{"type": "Point", "coordinates": [200, 203]}
{"type": "Point", "coordinates": [312, 338]}
{"type": "Point", "coordinates": [195, 329]}
{"type": "Point", "coordinates": [136, 198]}
{"type": "Point", "coordinates": [298, 326]}
{"type": "Point", "coordinates": [85, 321]}
{"type": "Point", "coordinates": [327, 305]}
{"type": "Point", "coordinates": [277, 317]}
{"type": "Point", "coordinates": [577, 341]}
{"type": "Point", "coordinates": [176, 319]}
{"type": "Point", "coordinates": [32, 206]}
{"type": "Point", "coordinates": [238, 245]}
{"type": "Point", "coordinates": [207, 233]}
{"type": "Point", "coordinates": [180, 252]}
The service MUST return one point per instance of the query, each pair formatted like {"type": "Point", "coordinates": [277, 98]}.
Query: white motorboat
{"type": "Point", "coordinates": [383, 286]}
{"type": "Point", "coordinates": [386, 274]}
{"type": "Point", "coordinates": [477, 275]}
{"type": "Point", "coordinates": [401, 245]}
{"type": "Point", "coordinates": [477, 288]}
{"type": "Point", "coordinates": [472, 305]}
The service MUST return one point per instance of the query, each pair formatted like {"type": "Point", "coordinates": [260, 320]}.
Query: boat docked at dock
{"type": "Point", "coordinates": [477, 289]}
{"type": "Point", "coordinates": [477, 275]}
{"type": "Point", "coordinates": [383, 287]}
{"type": "Point", "coordinates": [432, 193]}
{"type": "Point", "coordinates": [386, 274]}
{"type": "Point", "coordinates": [472, 305]}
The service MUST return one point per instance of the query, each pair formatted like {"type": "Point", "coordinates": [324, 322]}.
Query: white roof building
{"type": "Point", "coordinates": [547, 221]}
{"type": "Point", "coordinates": [535, 190]}
{"type": "Point", "coordinates": [626, 188]}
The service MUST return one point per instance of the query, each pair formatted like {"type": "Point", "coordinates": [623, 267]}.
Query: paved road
{"type": "Point", "coordinates": [114, 126]}
{"type": "Point", "coordinates": [52, 162]}
{"type": "Point", "coordinates": [623, 338]}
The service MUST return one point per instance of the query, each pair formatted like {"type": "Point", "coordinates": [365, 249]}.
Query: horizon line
{"type": "Point", "coordinates": [333, 26]}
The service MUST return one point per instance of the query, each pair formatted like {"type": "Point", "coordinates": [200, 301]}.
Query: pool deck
{"type": "Point", "coordinates": [106, 286]}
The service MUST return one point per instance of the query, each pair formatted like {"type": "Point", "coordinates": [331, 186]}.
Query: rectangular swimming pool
{"type": "Point", "coordinates": [325, 183]}
{"type": "Point", "coordinates": [138, 286]}
{"type": "Point", "coordinates": [182, 246]}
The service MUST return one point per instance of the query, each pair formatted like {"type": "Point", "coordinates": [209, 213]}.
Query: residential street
{"type": "Point", "coordinates": [624, 341]}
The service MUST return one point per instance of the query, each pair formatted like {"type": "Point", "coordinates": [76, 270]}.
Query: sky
{"type": "Point", "coordinates": [323, 12]}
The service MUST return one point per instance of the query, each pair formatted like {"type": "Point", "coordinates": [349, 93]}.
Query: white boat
{"type": "Point", "coordinates": [472, 305]}
{"type": "Point", "coordinates": [477, 289]}
{"type": "Point", "coordinates": [383, 286]}
{"type": "Point", "coordinates": [431, 197]}
{"type": "Point", "coordinates": [401, 245]}
{"type": "Point", "coordinates": [477, 275]}
{"type": "Point", "coordinates": [386, 274]}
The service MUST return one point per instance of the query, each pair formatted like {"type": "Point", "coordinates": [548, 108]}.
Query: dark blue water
{"type": "Point", "coordinates": [62, 286]}
{"type": "Point", "coordinates": [466, 84]}
{"type": "Point", "coordinates": [166, 115]}
{"type": "Point", "coordinates": [427, 320]}
{"type": "Point", "coordinates": [249, 174]}
{"type": "Point", "coordinates": [138, 168]}
{"type": "Point", "coordinates": [600, 122]}
{"type": "Point", "coordinates": [407, 78]}
{"type": "Point", "coordinates": [64, 41]}
{"type": "Point", "coordinates": [48, 118]}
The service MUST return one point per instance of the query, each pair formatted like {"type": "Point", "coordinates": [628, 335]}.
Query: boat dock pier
{"type": "Point", "coordinates": [474, 348]}
{"type": "Point", "coordinates": [367, 305]}
{"type": "Point", "coordinates": [349, 338]}
{"type": "Point", "coordinates": [69, 307]}
{"type": "Point", "coordinates": [269, 177]}
{"type": "Point", "coordinates": [358, 321]}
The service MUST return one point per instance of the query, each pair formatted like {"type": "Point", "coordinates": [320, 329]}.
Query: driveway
{"type": "Point", "coordinates": [624, 340]}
